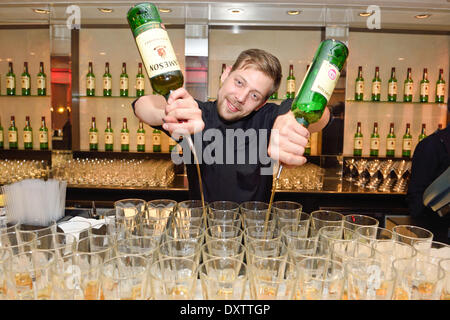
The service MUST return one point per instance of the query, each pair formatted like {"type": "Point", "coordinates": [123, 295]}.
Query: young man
{"type": "Point", "coordinates": [230, 131]}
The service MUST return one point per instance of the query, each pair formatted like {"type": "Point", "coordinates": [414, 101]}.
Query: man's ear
{"type": "Point", "coordinates": [225, 74]}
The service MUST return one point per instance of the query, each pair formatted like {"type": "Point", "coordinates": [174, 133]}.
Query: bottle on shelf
{"type": "Point", "coordinates": [27, 135]}
{"type": "Point", "coordinates": [440, 87]}
{"type": "Point", "coordinates": [43, 135]}
{"type": "Point", "coordinates": [141, 137]}
{"type": "Point", "coordinates": [390, 142]}
{"type": "Point", "coordinates": [1, 136]}
{"type": "Point", "coordinates": [156, 140]}
{"type": "Point", "coordinates": [12, 135]}
{"type": "Point", "coordinates": [423, 133]}
{"type": "Point", "coordinates": [407, 142]}
{"type": "Point", "coordinates": [392, 87]}
{"type": "Point", "coordinates": [93, 136]}
{"type": "Point", "coordinates": [172, 144]}
{"type": "Point", "coordinates": [224, 66]}
{"type": "Point", "coordinates": [109, 136]}
{"type": "Point", "coordinates": [274, 96]}
{"type": "Point", "coordinates": [107, 82]}
{"type": "Point", "coordinates": [26, 80]}
{"type": "Point", "coordinates": [290, 83]}
{"type": "Point", "coordinates": [140, 82]}
{"type": "Point", "coordinates": [124, 81]}
{"type": "Point", "coordinates": [124, 137]}
{"type": "Point", "coordinates": [408, 87]}
{"type": "Point", "coordinates": [90, 82]}
{"type": "Point", "coordinates": [359, 85]}
{"type": "Point", "coordinates": [10, 81]}
{"type": "Point", "coordinates": [424, 87]}
{"type": "Point", "coordinates": [146, 24]}
{"type": "Point", "coordinates": [376, 85]}
{"type": "Point", "coordinates": [374, 141]}
{"type": "Point", "coordinates": [41, 81]}
{"type": "Point", "coordinates": [358, 141]}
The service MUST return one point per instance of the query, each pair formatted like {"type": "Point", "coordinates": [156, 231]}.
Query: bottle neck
{"type": "Point", "coordinates": [43, 123]}
{"type": "Point", "coordinates": [407, 130]}
{"type": "Point", "coordinates": [291, 71]}
{"type": "Point", "coordinates": [423, 130]}
{"type": "Point", "coordinates": [141, 125]}
{"type": "Point", "coordinates": [359, 73]}
{"type": "Point", "coordinates": [425, 75]}
{"type": "Point", "coordinates": [25, 69]}
{"type": "Point", "coordinates": [124, 69]}
{"type": "Point", "coordinates": [441, 75]}
{"type": "Point", "coordinates": [13, 123]}
{"type": "Point", "coordinates": [27, 123]}
{"type": "Point", "coordinates": [90, 68]}
{"type": "Point", "coordinates": [375, 129]}
{"type": "Point", "coordinates": [377, 74]}
{"type": "Point", "coordinates": [393, 74]}
{"type": "Point", "coordinates": [106, 69]}
{"type": "Point", "coordinates": [93, 125]}
{"type": "Point", "coordinates": [124, 126]}
{"type": "Point", "coordinates": [358, 130]}
{"type": "Point", "coordinates": [108, 125]}
{"type": "Point", "coordinates": [11, 69]}
{"type": "Point", "coordinates": [41, 68]}
{"type": "Point", "coordinates": [391, 130]}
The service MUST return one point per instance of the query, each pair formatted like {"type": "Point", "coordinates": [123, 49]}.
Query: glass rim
{"type": "Point", "coordinates": [204, 263]}
{"type": "Point", "coordinates": [334, 213]}
{"type": "Point", "coordinates": [360, 215]}
{"type": "Point", "coordinates": [298, 205]}
{"type": "Point", "coordinates": [233, 203]}
{"type": "Point", "coordinates": [244, 205]}
{"type": "Point", "coordinates": [158, 262]}
{"type": "Point", "coordinates": [196, 202]}
{"type": "Point", "coordinates": [409, 227]}
{"type": "Point", "coordinates": [170, 201]}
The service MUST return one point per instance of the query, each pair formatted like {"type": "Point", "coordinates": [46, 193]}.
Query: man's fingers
{"type": "Point", "coordinates": [185, 114]}
{"type": "Point", "coordinates": [190, 127]}
{"type": "Point", "coordinates": [290, 159]}
{"type": "Point", "coordinates": [180, 93]}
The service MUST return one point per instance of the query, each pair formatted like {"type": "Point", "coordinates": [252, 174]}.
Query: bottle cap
{"type": "Point", "coordinates": [108, 119]}
{"type": "Point", "coordinates": [124, 119]}
{"type": "Point", "coordinates": [93, 118]}
{"type": "Point", "coordinates": [408, 125]}
{"type": "Point", "coordinates": [27, 118]}
{"type": "Point", "coordinates": [375, 124]}
{"type": "Point", "coordinates": [12, 118]}
{"type": "Point", "coordinates": [42, 118]}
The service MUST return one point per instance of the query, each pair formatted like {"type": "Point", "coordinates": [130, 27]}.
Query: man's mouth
{"type": "Point", "coordinates": [231, 107]}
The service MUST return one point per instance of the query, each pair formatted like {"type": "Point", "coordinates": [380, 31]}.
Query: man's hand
{"type": "Point", "coordinates": [182, 114]}
{"type": "Point", "coordinates": [289, 144]}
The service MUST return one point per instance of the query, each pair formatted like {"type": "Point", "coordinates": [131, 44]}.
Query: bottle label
{"type": "Point", "coordinates": [376, 87]}
{"type": "Point", "coordinates": [124, 138]}
{"type": "Point", "coordinates": [43, 137]}
{"type": "Point", "coordinates": [12, 136]}
{"type": "Point", "coordinates": [109, 138]}
{"type": "Point", "coordinates": [25, 82]}
{"type": "Point", "coordinates": [440, 88]}
{"type": "Point", "coordinates": [156, 51]}
{"type": "Point", "coordinates": [408, 89]}
{"type": "Point", "coordinates": [374, 143]}
{"type": "Point", "coordinates": [140, 138]}
{"type": "Point", "coordinates": [140, 84]}
{"type": "Point", "coordinates": [41, 82]}
{"type": "Point", "coordinates": [93, 137]}
{"type": "Point", "coordinates": [392, 88]}
{"type": "Point", "coordinates": [90, 83]}
{"type": "Point", "coordinates": [358, 143]}
{"type": "Point", "coordinates": [156, 139]}
{"type": "Point", "coordinates": [107, 83]}
{"type": "Point", "coordinates": [27, 137]}
{"type": "Point", "coordinates": [407, 144]}
{"type": "Point", "coordinates": [390, 143]}
{"type": "Point", "coordinates": [123, 83]}
{"type": "Point", "coordinates": [10, 84]}
{"type": "Point", "coordinates": [290, 86]}
{"type": "Point", "coordinates": [359, 87]}
{"type": "Point", "coordinates": [424, 89]}
{"type": "Point", "coordinates": [326, 79]}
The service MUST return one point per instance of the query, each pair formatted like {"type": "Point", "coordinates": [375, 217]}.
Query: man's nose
{"type": "Point", "coordinates": [241, 95]}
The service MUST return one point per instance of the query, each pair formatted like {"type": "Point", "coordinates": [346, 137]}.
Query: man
{"type": "Point", "coordinates": [239, 113]}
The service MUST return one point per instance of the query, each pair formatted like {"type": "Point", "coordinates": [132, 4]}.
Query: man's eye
{"type": "Point", "coordinates": [238, 82]}
{"type": "Point", "coordinates": [255, 97]}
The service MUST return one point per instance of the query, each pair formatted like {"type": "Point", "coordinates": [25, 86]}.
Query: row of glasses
{"type": "Point", "coordinates": [16, 170]}
{"type": "Point", "coordinates": [306, 177]}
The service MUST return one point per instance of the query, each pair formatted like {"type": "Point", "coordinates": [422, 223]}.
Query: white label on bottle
{"type": "Point", "coordinates": [392, 88]}
{"type": "Point", "coordinates": [157, 52]}
{"type": "Point", "coordinates": [374, 143]}
{"type": "Point", "coordinates": [359, 87]}
{"type": "Point", "coordinates": [358, 143]}
{"type": "Point", "coordinates": [376, 87]}
{"type": "Point", "coordinates": [424, 89]}
{"type": "Point", "coordinates": [407, 144]}
{"type": "Point", "coordinates": [123, 83]}
{"type": "Point", "coordinates": [90, 83]}
{"type": "Point", "coordinates": [93, 137]}
{"type": "Point", "coordinates": [27, 137]}
{"type": "Point", "coordinates": [408, 89]}
{"type": "Point", "coordinates": [124, 138]}
{"type": "Point", "coordinates": [107, 83]}
{"type": "Point", "coordinates": [41, 82]}
{"type": "Point", "coordinates": [440, 89]}
{"type": "Point", "coordinates": [140, 138]}
{"type": "Point", "coordinates": [290, 86]}
{"type": "Point", "coordinates": [156, 139]}
{"type": "Point", "coordinates": [326, 80]}
{"type": "Point", "coordinates": [109, 138]}
{"type": "Point", "coordinates": [140, 83]}
{"type": "Point", "coordinates": [43, 137]}
{"type": "Point", "coordinates": [25, 82]}
{"type": "Point", "coordinates": [390, 144]}
{"type": "Point", "coordinates": [12, 136]}
{"type": "Point", "coordinates": [10, 83]}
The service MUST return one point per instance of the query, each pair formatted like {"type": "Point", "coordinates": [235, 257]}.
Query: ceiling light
{"type": "Point", "coordinates": [235, 10]}
{"type": "Point", "coordinates": [422, 16]}
{"type": "Point", "coordinates": [293, 12]}
{"type": "Point", "coordinates": [42, 11]}
{"type": "Point", "coordinates": [366, 14]}
{"type": "Point", "coordinates": [165, 10]}
{"type": "Point", "coordinates": [401, 59]}
{"type": "Point", "coordinates": [105, 10]}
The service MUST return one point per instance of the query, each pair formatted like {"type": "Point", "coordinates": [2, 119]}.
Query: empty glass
{"type": "Point", "coordinates": [223, 248]}
{"type": "Point", "coordinates": [61, 244]}
{"type": "Point", "coordinates": [260, 233]}
{"type": "Point", "coordinates": [223, 212]}
{"type": "Point", "coordinates": [370, 234]}
{"type": "Point", "coordinates": [190, 213]}
{"type": "Point", "coordinates": [410, 234]}
{"type": "Point", "coordinates": [143, 246]}
{"type": "Point", "coordinates": [354, 221]}
{"type": "Point", "coordinates": [104, 246]}
{"type": "Point", "coordinates": [184, 248]}
{"type": "Point", "coordinates": [254, 213]}
{"type": "Point", "coordinates": [224, 232]}
{"type": "Point", "coordinates": [286, 212]}
{"type": "Point", "coordinates": [324, 218]}
{"type": "Point", "coordinates": [444, 264]}
{"type": "Point", "coordinates": [259, 249]}
{"type": "Point", "coordinates": [433, 251]}
{"type": "Point", "coordinates": [130, 208]}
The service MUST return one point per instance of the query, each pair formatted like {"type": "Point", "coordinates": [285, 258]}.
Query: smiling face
{"type": "Point", "coordinates": [242, 91]}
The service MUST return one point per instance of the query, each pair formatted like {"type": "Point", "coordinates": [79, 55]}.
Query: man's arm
{"type": "Point", "coordinates": [151, 109]}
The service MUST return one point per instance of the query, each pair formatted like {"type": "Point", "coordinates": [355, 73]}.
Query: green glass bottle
{"type": "Point", "coordinates": [423, 133]}
{"type": "Point", "coordinates": [319, 82]}
{"type": "Point", "coordinates": [27, 135]}
{"type": "Point", "coordinates": [358, 141]}
{"type": "Point", "coordinates": [12, 135]}
{"type": "Point", "coordinates": [374, 141]}
{"type": "Point", "coordinates": [392, 87]}
{"type": "Point", "coordinates": [124, 137]}
{"type": "Point", "coordinates": [308, 148]}
{"type": "Point", "coordinates": [43, 135]}
{"type": "Point", "coordinates": [155, 48]}
{"type": "Point", "coordinates": [93, 136]}
{"type": "Point", "coordinates": [376, 85]}
{"type": "Point", "coordinates": [274, 96]}
{"type": "Point", "coordinates": [407, 142]}
{"type": "Point", "coordinates": [10, 81]}
{"type": "Point", "coordinates": [390, 142]}
{"type": "Point", "coordinates": [424, 86]}
{"type": "Point", "coordinates": [41, 81]}
{"type": "Point", "coordinates": [440, 87]}
{"type": "Point", "coordinates": [359, 85]}
{"type": "Point", "coordinates": [156, 140]}
{"type": "Point", "coordinates": [140, 82]}
{"type": "Point", "coordinates": [107, 82]}
{"type": "Point", "coordinates": [109, 136]}
{"type": "Point", "coordinates": [26, 80]}
{"type": "Point", "coordinates": [1, 136]}
{"type": "Point", "coordinates": [90, 82]}
{"type": "Point", "coordinates": [408, 87]}
{"type": "Point", "coordinates": [172, 144]}
{"type": "Point", "coordinates": [141, 137]}
{"type": "Point", "coordinates": [124, 81]}
{"type": "Point", "coordinates": [290, 83]}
